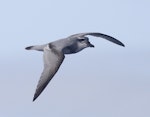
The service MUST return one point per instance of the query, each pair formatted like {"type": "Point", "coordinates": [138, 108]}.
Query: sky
{"type": "Point", "coordinates": [105, 81]}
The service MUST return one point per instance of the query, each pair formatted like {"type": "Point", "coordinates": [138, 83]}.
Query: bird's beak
{"type": "Point", "coordinates": [91, 45]}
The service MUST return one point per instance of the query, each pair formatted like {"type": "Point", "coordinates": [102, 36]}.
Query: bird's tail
{"type": "Point", "coordinates": [36, 47]}
{"type": "Point", "coordinates": [29, 47]}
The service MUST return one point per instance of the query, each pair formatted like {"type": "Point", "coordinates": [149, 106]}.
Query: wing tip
{"type": "Point", "coordinates": [122, 44]}
{"type": "Point", "coordinates": [34, 98]}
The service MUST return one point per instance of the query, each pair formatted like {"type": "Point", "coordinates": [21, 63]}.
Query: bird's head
{"type": "Point", "coordinates": [84, 42]}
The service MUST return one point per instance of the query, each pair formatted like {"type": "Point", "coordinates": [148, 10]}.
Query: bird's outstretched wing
{"type": "Point", "coordinates": [107, 37]}
{"type": "Point", "coordinates": [52, 61]}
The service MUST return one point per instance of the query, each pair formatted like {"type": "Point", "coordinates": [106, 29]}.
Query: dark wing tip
{"type": "Point", "coordinates": [121, 44]}
{"type": "Point", "coordinates": [39, 90]}
{"type": "Point", "coordinates": [34, 98]}
{"type": "Point", "coordinates": [28, 48]}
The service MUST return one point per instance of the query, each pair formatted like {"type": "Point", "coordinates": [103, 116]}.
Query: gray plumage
{"type": "Point", "coordinates": [54, 54]}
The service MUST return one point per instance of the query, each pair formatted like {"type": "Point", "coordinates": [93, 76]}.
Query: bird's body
{"type": "Point", "coordinates": [54, 54]}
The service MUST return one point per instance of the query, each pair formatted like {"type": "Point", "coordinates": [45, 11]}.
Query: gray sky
{"type": "Point", "coordinates": [107, 81]}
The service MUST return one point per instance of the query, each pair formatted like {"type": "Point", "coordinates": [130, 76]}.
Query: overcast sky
{"type": "Point", "coordinates": [107, 81]}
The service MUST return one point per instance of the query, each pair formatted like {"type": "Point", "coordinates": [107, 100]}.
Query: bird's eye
{"type": "Point", "coordinates": [81, 40]}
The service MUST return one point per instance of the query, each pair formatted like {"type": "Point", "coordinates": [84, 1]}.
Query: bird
{"type": "Point", "coordinates": [54, 54]}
